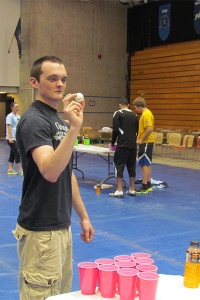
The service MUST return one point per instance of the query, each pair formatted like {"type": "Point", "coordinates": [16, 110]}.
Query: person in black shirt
{"type": "Point", "coordinates": [125, 129]}
{"type": "Point", "coordinates": [50, 188]}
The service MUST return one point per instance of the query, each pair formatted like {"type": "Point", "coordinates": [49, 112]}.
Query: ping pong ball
{"type": "Point", "coordinates": [79, 97]}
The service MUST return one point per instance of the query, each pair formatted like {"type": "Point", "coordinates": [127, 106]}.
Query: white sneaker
{"type": "Point", "coordinates": [130, 193]}
{"type": "Point", "coordinates": [117, 194]}
{"type": "Point", "coordinates": [20, 173]}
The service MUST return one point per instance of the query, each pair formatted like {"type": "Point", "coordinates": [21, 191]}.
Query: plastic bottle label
{"type": "Point", "coordinates": [192, 257]}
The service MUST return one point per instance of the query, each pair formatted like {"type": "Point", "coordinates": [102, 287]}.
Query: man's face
{"type": "Point", "coordinates": [137, 109]}
{"type": "Point", "coordinates": [52, 82]}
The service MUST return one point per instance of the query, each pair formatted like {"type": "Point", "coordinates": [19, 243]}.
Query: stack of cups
{"type": "Point", "coordinates": [128, 275]}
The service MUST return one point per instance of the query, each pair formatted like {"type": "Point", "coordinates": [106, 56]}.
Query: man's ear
{"type": "Point", "coordinates": [33, 82]}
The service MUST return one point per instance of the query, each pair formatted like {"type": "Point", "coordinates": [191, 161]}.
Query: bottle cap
{"type": "Point", "coordinates": [194, 243]}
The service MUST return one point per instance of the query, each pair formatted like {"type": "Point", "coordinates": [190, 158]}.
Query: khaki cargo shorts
{"type": "Point", "coordinates": [45, 262]}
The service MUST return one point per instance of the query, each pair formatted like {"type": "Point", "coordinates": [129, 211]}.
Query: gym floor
{"type": "Point", "coordinates": [161, 223]}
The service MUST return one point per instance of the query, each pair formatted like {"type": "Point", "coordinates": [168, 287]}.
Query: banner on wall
{"type": "Point", "coordinates": [164, 21]}
{"type": "Point", "coordinates": [18, 37]}
{"type": "Point", "coordinates": [197, 16]}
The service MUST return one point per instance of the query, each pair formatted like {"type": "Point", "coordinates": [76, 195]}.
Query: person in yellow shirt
{"type": "Point", "coordinates": [145, 141]}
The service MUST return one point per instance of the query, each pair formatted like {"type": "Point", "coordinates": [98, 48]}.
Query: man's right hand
{"type": "Point", "coordinates": [73, 110]}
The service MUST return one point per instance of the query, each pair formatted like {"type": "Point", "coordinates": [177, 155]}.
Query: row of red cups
{"type": "Point", "coordinates": [123, 273]}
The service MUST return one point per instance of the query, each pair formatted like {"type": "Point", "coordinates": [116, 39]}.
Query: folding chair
{"type": "Point", "coordinates": [187, 143]}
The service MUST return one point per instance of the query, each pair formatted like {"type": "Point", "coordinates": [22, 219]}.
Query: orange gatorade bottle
{"type": "Point", "coordinates": [98, 190]}
{"type": "Point", "coordinates": [192, 266]}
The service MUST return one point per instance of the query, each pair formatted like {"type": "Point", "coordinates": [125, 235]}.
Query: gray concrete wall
{"type": "Point", "coordinates": [9, 58]}
{"type": "Point", "coordinates": [77, 31]}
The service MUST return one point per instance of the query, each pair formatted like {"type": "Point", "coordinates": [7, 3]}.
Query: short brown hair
{"type": "Point", "coordinates": [139, 101]}
{"type": "Point", "coordinates": [36, 69]}
{"type": "Point", "coordinates": [12, 104]}
{"type": "Point", "coordinates": [124, 101]}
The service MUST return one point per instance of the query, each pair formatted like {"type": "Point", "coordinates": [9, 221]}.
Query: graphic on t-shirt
{"type": "Point", "coordinates": [60, 134]}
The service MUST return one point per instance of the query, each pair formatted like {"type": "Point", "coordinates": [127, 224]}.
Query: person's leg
{"type": "Point", "coordinates": [145, 158]}
{"type": "Point", "coordinates": [17, 156]}
{"type": "Point", "coordinates": [119, 184]}
{"type": "Point", "coordinates": [10, 165]}
{"type": "Point", "coordinates": [143, 162]}
{"type": "Point", "coordinates": [132, 183]}
{"type": "Point", "coordinates": [119, 162]}
{"type": "Point", "coordinates": [145, 174]}
{"type": "Point", "coordinates": [45, 263]}
{"type": "Point", "coordinates": [130, 164]}
{"type": "Point", "coordinates": [149, 174]}
{"type": "Point", "coordinates": [11, 160]}
{"type": "Point", "coordinates": [19, 167]}
{"type": "Point", "coordinates": [66, 261]}
{"type": "Point", "coordinates": [150, 153]}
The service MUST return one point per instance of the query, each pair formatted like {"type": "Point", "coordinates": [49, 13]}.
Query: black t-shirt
{"type": "Point", "coordinates": [125, 128]}
{"type": "Point", "coordinates": [44, 205]}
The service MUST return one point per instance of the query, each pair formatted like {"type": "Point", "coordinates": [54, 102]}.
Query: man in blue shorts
{"type": "Point", "coordinates": [145, 141]}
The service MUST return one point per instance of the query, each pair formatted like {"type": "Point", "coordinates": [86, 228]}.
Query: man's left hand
{"type": "Point", "coordinates": [87, 231]}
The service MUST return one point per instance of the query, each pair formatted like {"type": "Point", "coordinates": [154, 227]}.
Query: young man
{"type": "Point", "coordinates": [125, 129]}
{"type": "Point", "coordinates": [12, 120]}
{"type": "Point", "coordinates": [145, 142]}
{"type": "Point", "coordinates": [50, 188]}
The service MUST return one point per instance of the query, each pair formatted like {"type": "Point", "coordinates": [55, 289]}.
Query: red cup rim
{"type": "Point", "coordinates": [141, 254]}
{"type": "Point", "coordinates": [123, 258]}
{"type": "Point", "coordinates": [140, 267]}
{"type": "Point", "coordinates": [108, 268]}
{"type": "Point", "coordinates": [148, 276]}
{"type": "Point", "coordinates": [88, 264]}
{"type": "Point", "coordinates": [128, 272]}
{"type": "Point", "coordinates": [105, 261]}
{"type": "Point", "coordinates": [125, 263]}
{"type": "Point", "coordinates": [144, 260]}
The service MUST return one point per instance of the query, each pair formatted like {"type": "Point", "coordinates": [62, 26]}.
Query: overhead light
{"type": "Point", "coordinates": [8, 89]}
{"type": "Point", "coordinates": [133, 2]}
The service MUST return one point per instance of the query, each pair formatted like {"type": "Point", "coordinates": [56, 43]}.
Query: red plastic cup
{"type": "Point", "coordinates": [140, 255]}
{"type": "Point", "coordinates": [125, 264]}
{"type": "Point", "coordinates": [123, 258]}
{"type": "Point", "coordinates": [122, 265]}
{"type": "Point", "coordinates": [108, 280]}
{"type": "Point", "coordinates": [105, 261]}
{"type": "Point", "coordinates": [147, 268]}
{"type": "Point", "coordinates": [141, 261]}
{"type": "Point", "coordinates": [127, 283]}
{"type": "Point", "coordinates": [112, 148]}
{"type": "Point", "coordinates": [88, 272]}
{"type": "Point", "coordinates": [147, 285]}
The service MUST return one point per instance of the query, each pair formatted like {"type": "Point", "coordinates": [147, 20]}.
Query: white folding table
{"type": "Point", "coordinates": [170, 287]}
{"type": "Point", "coordinates": [102, 152]}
